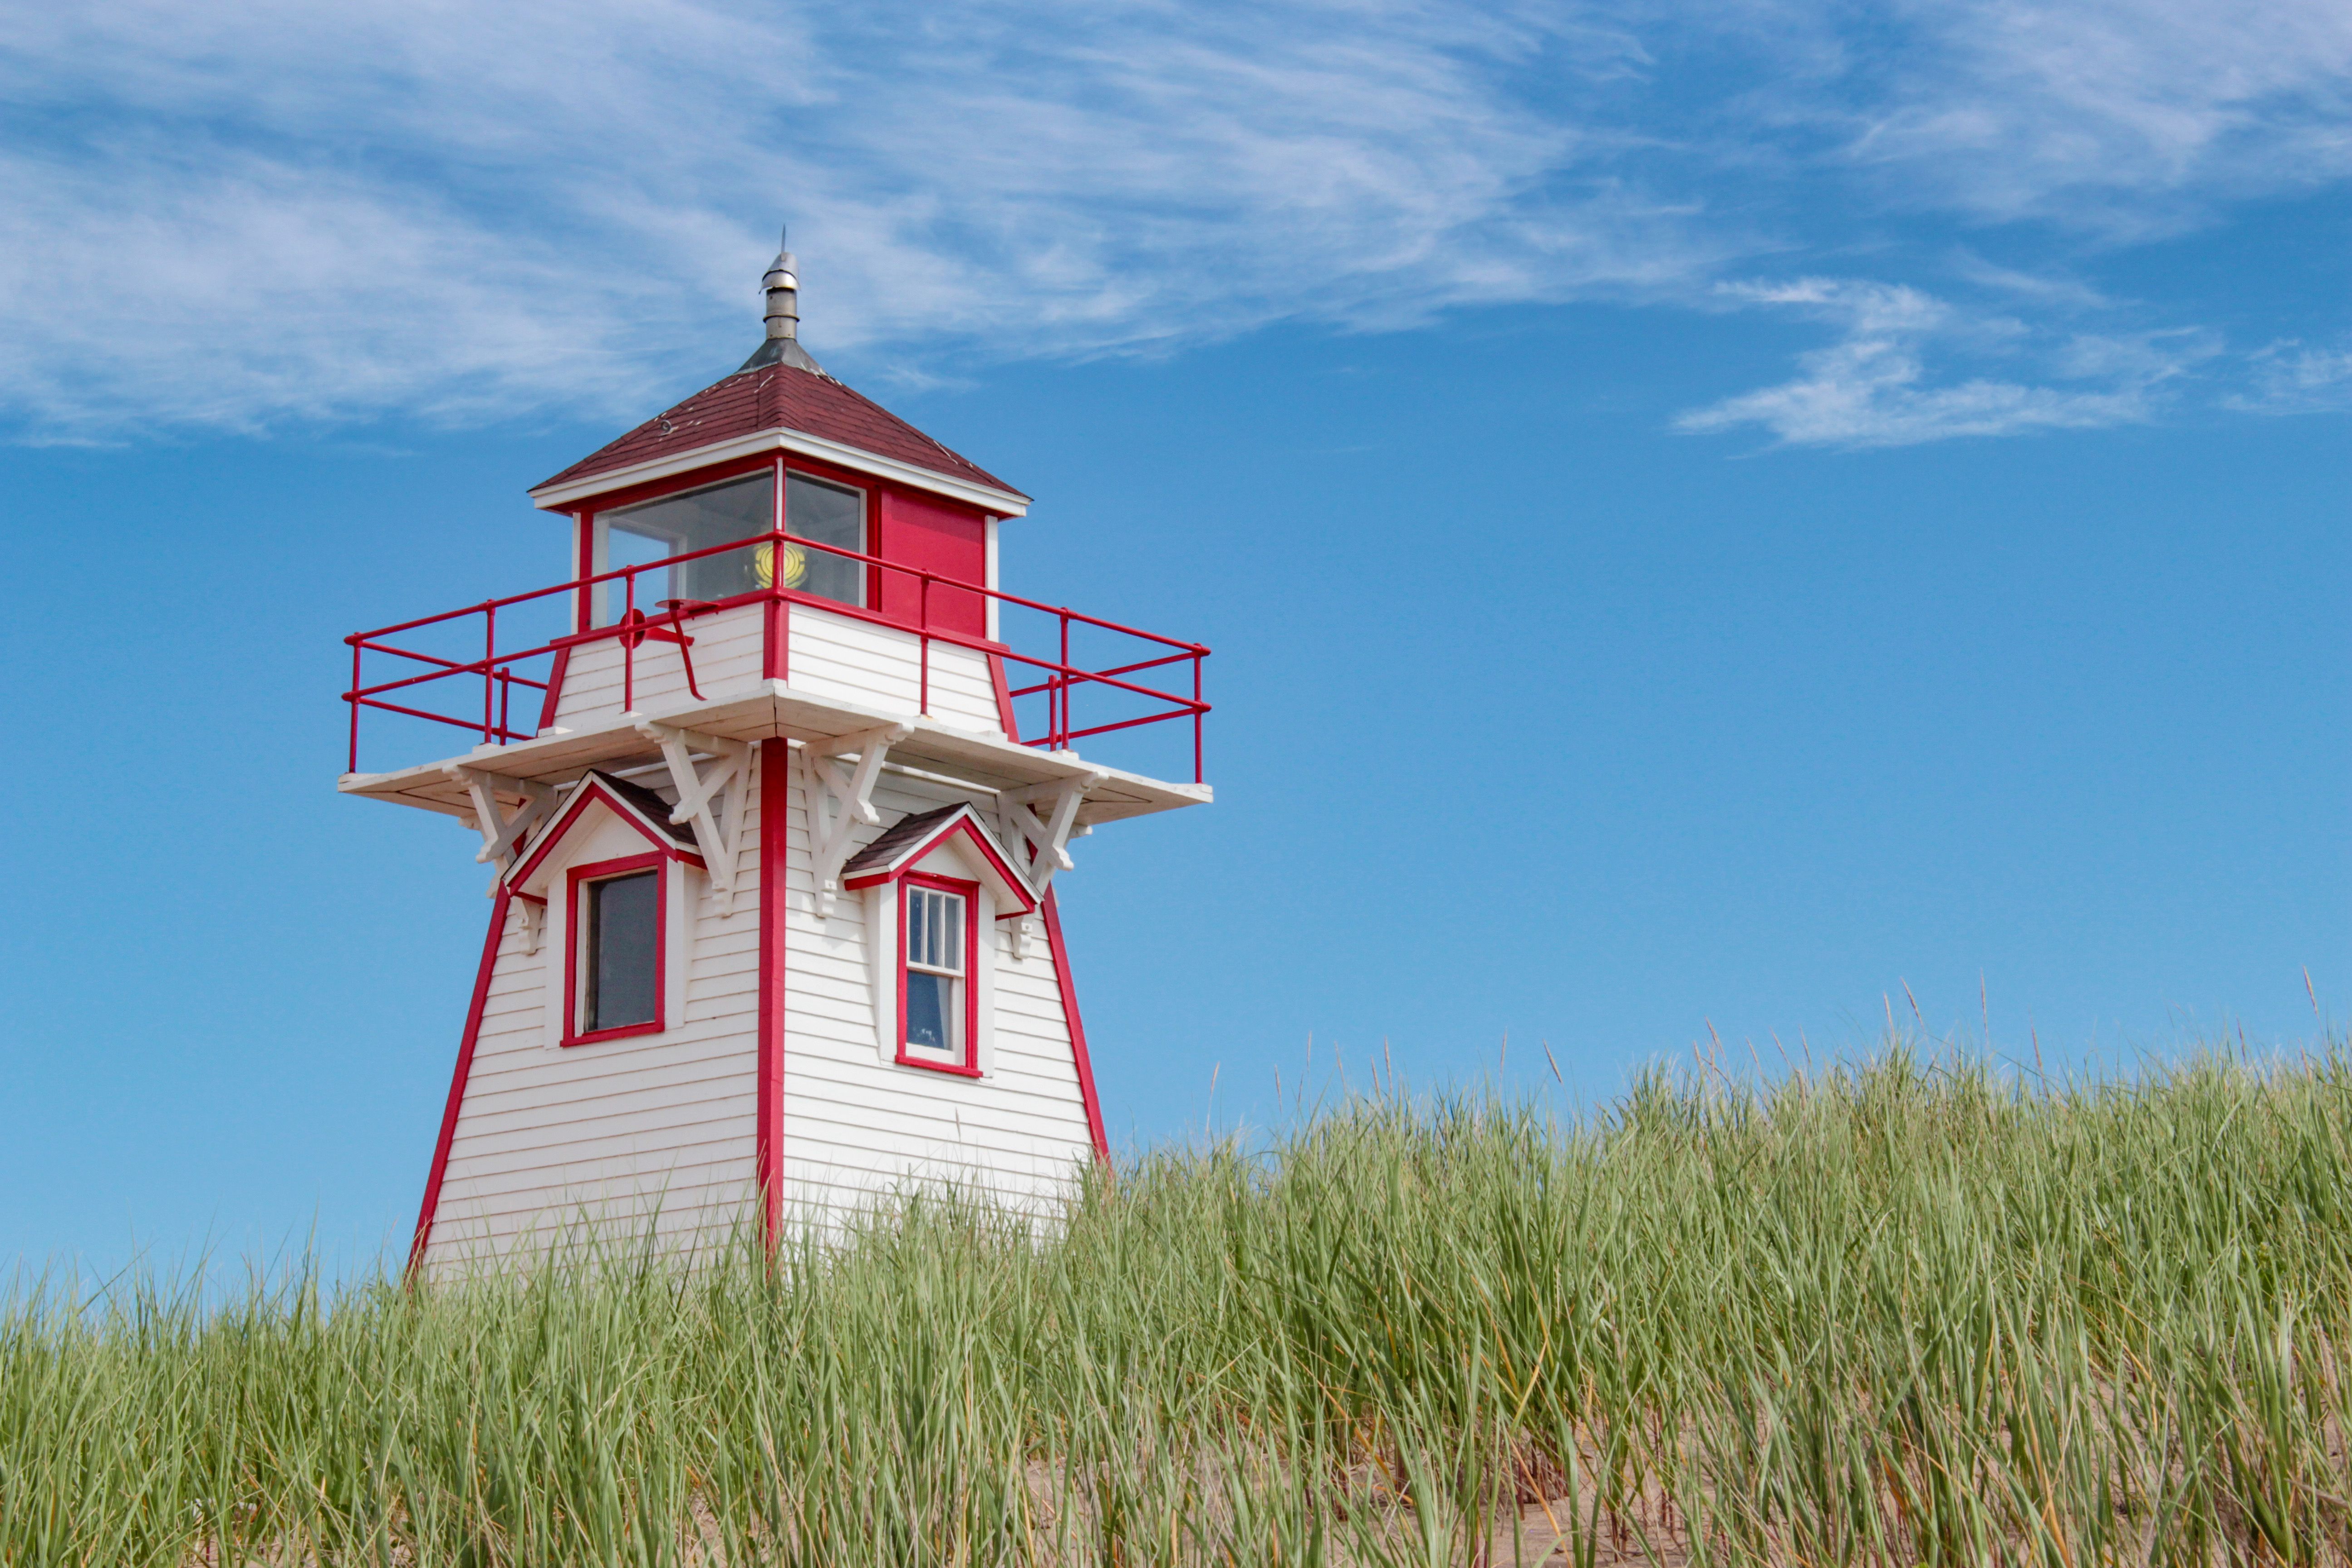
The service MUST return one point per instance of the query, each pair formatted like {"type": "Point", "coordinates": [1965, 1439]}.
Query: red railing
{"type": "Point", "coordinates": [498, 670]}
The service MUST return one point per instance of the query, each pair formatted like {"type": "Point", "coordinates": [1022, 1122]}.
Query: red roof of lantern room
{"type": "Point", "coordinates": [779, 397]}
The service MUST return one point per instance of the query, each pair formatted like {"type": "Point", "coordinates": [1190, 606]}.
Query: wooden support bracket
{"type": "Point", "coordinates": [1047, 837]}
{"type": "Point", "coordinates": [501, 834]}
{"type": "Point", "coordinates": [710, 797]}
{"type": "Point", "coordinates": [534, 920]}
{"type": "Point", "coordinates": [841, 801]}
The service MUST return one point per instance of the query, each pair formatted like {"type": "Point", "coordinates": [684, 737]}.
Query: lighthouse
{"type": "Point", "coordinates": [774, 788]}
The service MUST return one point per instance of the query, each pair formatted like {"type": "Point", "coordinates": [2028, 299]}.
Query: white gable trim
{"type": "Point", "coordinates": [1003, 503]}
{"type": "Point", "coordinates": [525, 869]}
{"type": "Point", "coordinates": [998, 870]}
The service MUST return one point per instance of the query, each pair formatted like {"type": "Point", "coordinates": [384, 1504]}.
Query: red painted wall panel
{"type": "Point", "coordinates": [935, 536]}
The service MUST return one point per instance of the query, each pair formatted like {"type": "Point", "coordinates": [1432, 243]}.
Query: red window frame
{"type": "Point", "coordinates": [969, 893]}
{"type": "Point", "coordinates": [575, 933]}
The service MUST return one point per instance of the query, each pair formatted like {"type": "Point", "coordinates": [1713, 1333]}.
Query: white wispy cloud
{"type": "Point", "coordinates": [2291, 376]}
{"type": "Point", "coordinates": [242, 216]}
{"type": "Point", "coordinates": [1873, 386]}
{"type": "Point", "coordinates": [2133, 115]}
{"type": "Point", "coordinates": [445, 209]}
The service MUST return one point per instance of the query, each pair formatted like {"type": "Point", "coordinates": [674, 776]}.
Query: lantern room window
{"type": "Point", "coordinates": [709, 515]}
{"type": "Point", "coordinates": [673, 525]}
{"type": "Point", "coordinates": [935, 985]}
{"type": "Point", "coordinates": [829, 514]}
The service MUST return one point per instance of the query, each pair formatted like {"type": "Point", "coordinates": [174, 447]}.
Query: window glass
{"type": "Point", "coordinates": [656, 530]}
{"type": "Point", "coordinates": [621, 942]}
{"type": "Point", "coordinates": [934, 968]}
{"type": "Point", "coordinates": [830, 514]}
{"type": "Point", "coordinates": [930, 1009]}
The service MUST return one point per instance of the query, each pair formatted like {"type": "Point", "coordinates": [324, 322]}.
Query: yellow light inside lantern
{"type": "Point", "coordinates": [764, 565]}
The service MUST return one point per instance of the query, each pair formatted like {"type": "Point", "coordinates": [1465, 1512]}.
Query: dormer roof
{"type": "Point", "coordinates": [779, 407]}
{"type": "Point", "coordinates": [634, 803]}
{"type": "Point", "coordinates": [906, 842]}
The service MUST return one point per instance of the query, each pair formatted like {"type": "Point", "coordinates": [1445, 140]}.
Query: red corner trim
{"type": "Point", "coordinates": [776, 612]}
{"type": "Point", "coordinates": [768, 1146]}
{"type": "Point", "coordinates": [1078, 1030]}
{"type": "Point", "coordinates": [554, 687]}
{"type": "Point", "coordinates": [432, 1203]}
{"type": "Point", "coordinates": [996, 678]}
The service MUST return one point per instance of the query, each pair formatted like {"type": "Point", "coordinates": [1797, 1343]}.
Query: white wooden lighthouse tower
{"type": "Point", "coordinates": [775, 787]}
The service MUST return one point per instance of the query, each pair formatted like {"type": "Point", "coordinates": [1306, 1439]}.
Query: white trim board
{"type": "Point", "coordinates": [1007, 503]}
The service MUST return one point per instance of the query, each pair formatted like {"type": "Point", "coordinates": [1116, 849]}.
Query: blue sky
{"type": "Point", "coordinates": [1704, 522]}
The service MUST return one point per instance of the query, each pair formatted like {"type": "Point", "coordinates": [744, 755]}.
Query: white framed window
{"type": "Point", "coordinates": [617, 945]}
{"type": "Point", "coordinates": [937, 953]}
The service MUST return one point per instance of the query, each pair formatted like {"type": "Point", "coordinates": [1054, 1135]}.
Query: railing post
{"type": "Point", "coordinates": [628, 648]}
{"type": "Point", "coordinates": [1062, 691]}
{"type": "Point", "coordinates": [923, 631]}
{"type": "Point", "coordinates": [354, 701]}
{"type": "Point", "coordinates": [489, 660]}
{"type": "Point", "coordinates": [1197, 774]}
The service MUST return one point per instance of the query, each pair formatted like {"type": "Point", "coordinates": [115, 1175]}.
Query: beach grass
{"type": "Point", "coordinates": [1918, 1308]}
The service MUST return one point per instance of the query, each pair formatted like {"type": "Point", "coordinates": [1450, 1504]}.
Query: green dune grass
{"type": "Point", "coordinates": [1913, 1311]}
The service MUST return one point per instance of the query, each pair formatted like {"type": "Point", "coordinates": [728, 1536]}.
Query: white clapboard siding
{"type": "Point", "coordinates": [657, 1131]}
{"type": "Point", "coordinates": [828, 656]}
{"type": "Point", "coordinates": [881, 667]}
{"type": "Point", "coordinates": [857, 1128]}
{"type": "Point", "coordinates": [727, 651]}
{"type": "Point", "coordinates": [651, 1131]}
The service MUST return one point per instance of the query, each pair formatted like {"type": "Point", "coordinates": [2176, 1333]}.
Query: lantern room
{"type": "Point", "coordinates": [860, 533]}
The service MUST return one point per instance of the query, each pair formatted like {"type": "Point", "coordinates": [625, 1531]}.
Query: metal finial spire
{"type": "Point", "coordinates": [783, 288]}
{"type": "Point", "coordinates": [783, 285]}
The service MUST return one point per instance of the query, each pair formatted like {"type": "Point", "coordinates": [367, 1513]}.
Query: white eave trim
{"type": "Point", "coordinates": [1003, 503]}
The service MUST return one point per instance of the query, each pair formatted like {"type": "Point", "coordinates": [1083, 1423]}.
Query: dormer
{"type": "Point", "coordinates": [935, 886]}
{"type": "Point", "coordinates": [606, 886]}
